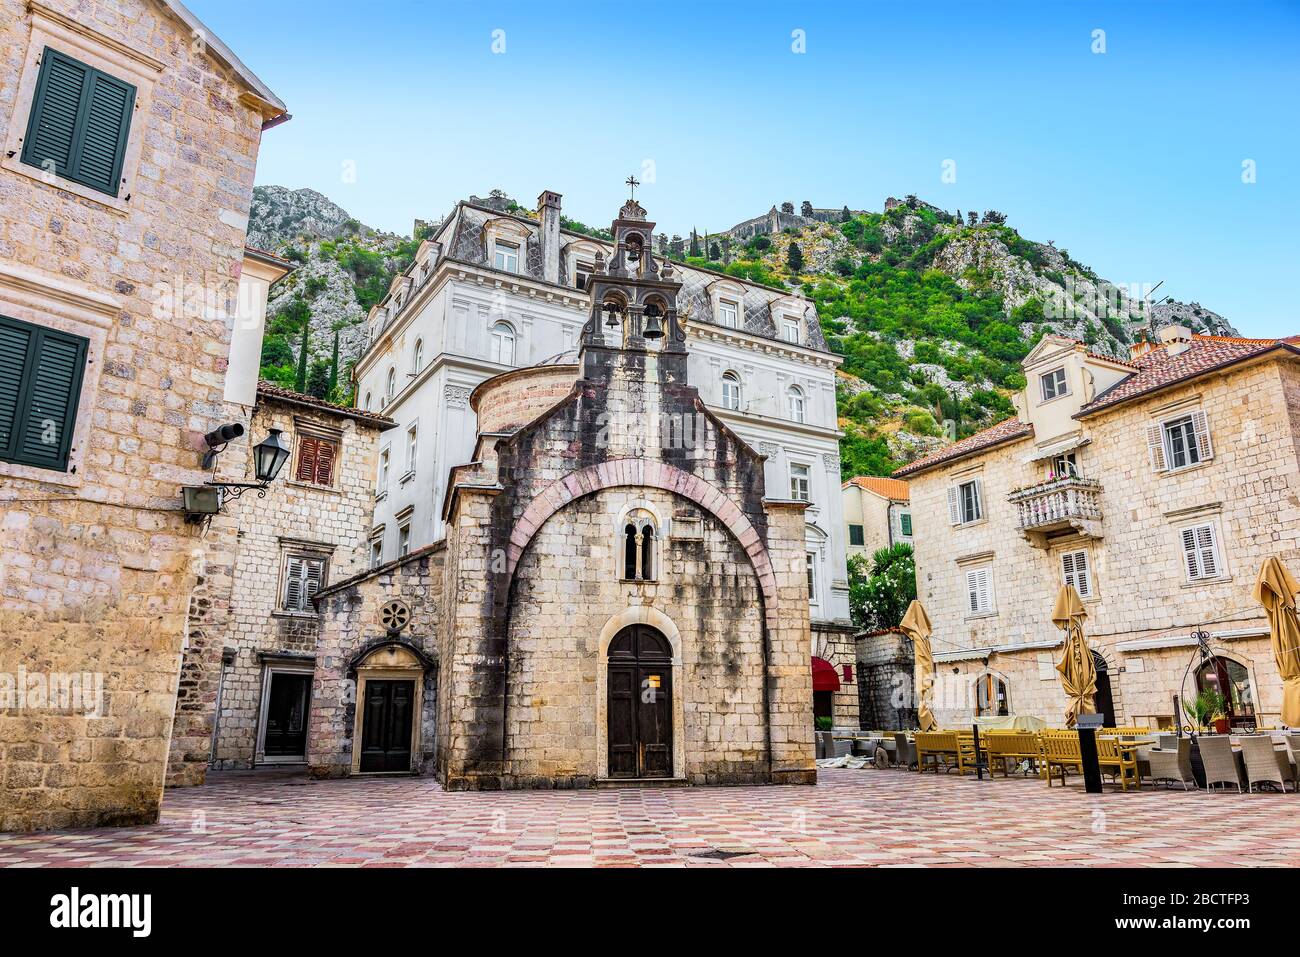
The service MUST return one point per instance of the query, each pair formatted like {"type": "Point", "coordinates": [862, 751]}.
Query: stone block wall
{"type": "Point", "coordinates": [886, 681]}
{"type": "Point", "coordinates": [1249, 490]}
{"type": "Point", "coordinates": [98, 562]}
{"type": "Point", "coordinates": [350, 625]}
{"type": "Point", "coordinates": [294, 517]}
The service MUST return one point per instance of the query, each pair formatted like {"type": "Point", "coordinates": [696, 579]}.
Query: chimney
{"type": "Point", "coordinates": [548, 211]}
{"type": "Point", "coordinates": [1175, 338]}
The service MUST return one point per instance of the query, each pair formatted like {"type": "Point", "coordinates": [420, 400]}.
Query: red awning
{"type": "Point", "coordinates": [825, 677]}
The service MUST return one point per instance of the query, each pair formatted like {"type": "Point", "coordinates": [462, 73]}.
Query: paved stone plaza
{"type": "Point", "coordinates": [885, 818]}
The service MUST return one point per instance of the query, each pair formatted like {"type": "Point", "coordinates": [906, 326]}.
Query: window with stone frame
{"type": "Point", "coordinates": [404, 540]}
{"type": "Point", "coordinates": [792, 330]}
{"type": "Point", "coordinates": [1202, 560]}
{"type": "Point", "coordinates": [501, 343]}
{"type": "Point", "coordinates": [979, 590]}
{"type": "Point", "coordinates": [810, 562]}
{"type": "Point", "coordinates": [729, 313]}
{"type": "Point", "coordinates": [1054, 384]}
{"type": "Point", "coordinates": [639, 558]}
{"type": "Point", "coordinates": [731, 391]}
{"type": "Point", "coordinates": [1076, 571]}
{"type": "Point", "coordinates": [376, 552]}
{"type": "Point", "coordinates": [582, 271]}
{"type": "Point", "coordinates": [857, 535]}
{"type": "Point", "coordinates": [303, 574]}
{"type": "Point", "coordinates": [905, 524]}
{"type": "Point", "coordinates": [966, 502]}
{"type": "Point", "coordinates": [1180, 442]}
{"type": "Point", "coordinates": [800, 482]}
{"type": "Point", "coordinates": [317, 459]}
{"type": "Point", "coordinates": [797, 404]}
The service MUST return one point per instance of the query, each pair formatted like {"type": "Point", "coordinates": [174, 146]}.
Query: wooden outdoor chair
{"type": "Point", "coordinates": [1060, 750]}
{"type": "Point", "coordinates": [1011, 747]}
{"type": "Point", "coordinates": [942, 748]}
{"type": "Point", "coordinates": [1119, 761]}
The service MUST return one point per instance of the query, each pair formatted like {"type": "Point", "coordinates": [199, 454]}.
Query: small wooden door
{"type": "Point", "coordinates": [386, 726]}
{"type": "Point", "coordinates": [286, 715]}
{"type": "Point", "coordinates": [640, 706]}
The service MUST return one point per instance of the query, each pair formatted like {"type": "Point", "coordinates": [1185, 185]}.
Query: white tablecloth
{"type": "Point", "coordinates": [1010, 722]}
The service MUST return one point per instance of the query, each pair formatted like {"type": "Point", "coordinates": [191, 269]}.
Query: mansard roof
{"type": "Point", "coordinates": [467, 244]}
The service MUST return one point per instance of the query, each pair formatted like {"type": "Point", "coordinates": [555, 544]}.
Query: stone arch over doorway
{"type": "Point", "coordinates": [389, 706]}
{"type": "Point", "coordinates": [652, 617]}
{"type": "Point", "coordinates": [640, 472]}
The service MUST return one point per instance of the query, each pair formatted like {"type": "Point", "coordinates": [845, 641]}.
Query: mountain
{"type": "Point", "coordinates": [932, 310]}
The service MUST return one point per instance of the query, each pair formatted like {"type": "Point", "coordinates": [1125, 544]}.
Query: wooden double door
{"type": "Point", "coordinates": [386, 725]}
{"type": "Point", "coordinates": [640, 706]}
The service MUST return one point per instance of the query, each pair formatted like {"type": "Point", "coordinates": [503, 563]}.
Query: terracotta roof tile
{"type": "Point", "coordinates": [273, 391]}
{"type": "Point", "coordinates": [884, 487]}
{"type": "Point", "coordinates": [1157, 369]}
{"type": "Point", "coordinates": [1005, 431]}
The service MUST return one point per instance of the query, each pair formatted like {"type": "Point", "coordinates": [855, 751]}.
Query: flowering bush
{"type": "Point", "coordinates": [880, 590]}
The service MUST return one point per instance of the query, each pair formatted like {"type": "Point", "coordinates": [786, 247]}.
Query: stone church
{"type": "Point", "coordinates": [615, 596]}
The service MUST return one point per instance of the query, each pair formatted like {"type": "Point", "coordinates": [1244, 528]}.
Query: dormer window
{"type": "Point", "coordinates": [1054, 384]}
{"type": "Point", "coordinates": [729, 313]}
{"type": "Point", "coordinates": [582, 274]}
{"type": "Point", "coordinates": [790, 330]}
{"type": "Point", "coordinates": [506, 256]}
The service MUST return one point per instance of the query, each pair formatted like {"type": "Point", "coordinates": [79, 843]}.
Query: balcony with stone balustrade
{"type": "Point", "coordinates": [1045, 510]}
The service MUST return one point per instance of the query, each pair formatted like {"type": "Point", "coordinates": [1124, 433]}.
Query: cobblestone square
{"type": "Point", "coordinates": [851, 818]}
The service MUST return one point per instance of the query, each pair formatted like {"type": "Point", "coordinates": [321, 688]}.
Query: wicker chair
{"type": "Point", "coordinates": [1173, 764]}
{"type": "Point", "coordinates": [1265, 763]}
{"type": "Point", "coordinates": [905, 751]}
{"type": "Point", "coordinates": [1220, 763]}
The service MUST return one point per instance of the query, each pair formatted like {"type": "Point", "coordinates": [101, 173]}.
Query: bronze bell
{"type": "Point", "coordinates": [633, 250]}
{"type": "Point", "coordinates": [654, 328]}
{"type": "Point", "coordinates": [611, 314]}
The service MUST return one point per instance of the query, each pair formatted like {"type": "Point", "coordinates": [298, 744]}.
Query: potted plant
{"type": "Point", "coordinates": [825, 744]}
{"type": "Point", "coordinates": [1208, 709]}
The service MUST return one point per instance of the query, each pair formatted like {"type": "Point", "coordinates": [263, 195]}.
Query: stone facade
{"type": "Point", "coordinates": [1143, 604]}
{"type": "Point", "coordinates": [885, 681]}
{"type": "Point", "coordinates": [536, 581]}
{"type": "Point", "coordinates": [98, 562]}
{"type": "Point", "coordinates": [298, 519]}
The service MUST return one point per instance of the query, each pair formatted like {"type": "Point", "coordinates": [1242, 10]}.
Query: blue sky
{"type": "Point", "coordinates": [1131, 159]}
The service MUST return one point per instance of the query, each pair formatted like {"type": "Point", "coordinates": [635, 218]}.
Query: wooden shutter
{"type": "Point", "coordinates": [307, 453]}
{"type": "Point", "coordinates": [79, 123]}
{"type": "Point", "coordinates": [15, 347]}
{"type": "Point", "coordinates": [325, 455]}
{"type": "Point", "coordinates": [1200, 552]}
{"type": "Point", "coordinates": [313, 579]}
{"type": "Point", "coordinates": [1207, 552]}
{"type": "Point", "coordinates": [293, 584]}
{"type": "Point", "coordinates": [954, 505]}
{"type": "Point", "coordinates": [978, 487]}
{"type": "Point", "coordinates": [1156, 447]}
{"type": "Point", "coordinates": [978, 589]}
{"type": "Point", "coordinates": [1201, 424]}
{"type": "Point", "coordinates": [41, 372]}
{"type": "Point", "coordinates": [1074, 565]}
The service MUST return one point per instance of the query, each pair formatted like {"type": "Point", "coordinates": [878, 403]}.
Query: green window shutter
{"type": "Point", "coordinates": [905, 524]}
{"type": "Point", "coordinates": [48, 368]}
{"type": "Point", "coordinates": [15, 347]}
{"type": "Point", "coordinates": [80, 122]}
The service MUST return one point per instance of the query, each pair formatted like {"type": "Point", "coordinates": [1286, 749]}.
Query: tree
{"type": "Point", "coordinates": [333, 393]}
{"type": "Point", "coordinates": [881, 590]}
{"type": "Point", "coordinates": [714, 252]}
{"type": "Point", "coordinates": [845, 215]}
{"type": "Point", "coordinates": [993, 216]}
{"type": "Point", "coordinates": [787, 207]}
{"type": "Point", "coordinates": [794, 259]}
{"type": "Point", "coordinates": [806, 210]}
{"type": "Point", "coordinates": [318, 380]}
{"type": "Point", "coordinates": [298, 313]}
{"type": "Point", "coordinates": [695, 244]}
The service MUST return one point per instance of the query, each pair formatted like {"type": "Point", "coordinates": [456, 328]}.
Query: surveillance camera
{"type": "Point", "coordinates": [223, 435]}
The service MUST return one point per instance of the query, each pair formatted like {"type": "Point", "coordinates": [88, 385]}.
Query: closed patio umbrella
{"type": "Point", "coordinates": [1078, 673]}
{"type": "Point", "coordinates": [916, 625]}
{"type": "Point", "coordinates": [1275, 590]}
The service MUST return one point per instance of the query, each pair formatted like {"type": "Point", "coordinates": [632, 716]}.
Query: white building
{"type": "Point", "coordinates": [491, 291]}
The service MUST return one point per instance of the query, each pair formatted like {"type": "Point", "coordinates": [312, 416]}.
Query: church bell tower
{"type": "Point", "coordinates": [634, 300]}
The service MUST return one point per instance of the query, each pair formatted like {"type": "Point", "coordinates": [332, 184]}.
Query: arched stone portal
{"type": "Point", "coordinates": [664, 627]}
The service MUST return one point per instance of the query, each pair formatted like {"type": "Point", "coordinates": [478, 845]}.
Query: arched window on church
{"type": "Point", "coordinates": [639, 539]}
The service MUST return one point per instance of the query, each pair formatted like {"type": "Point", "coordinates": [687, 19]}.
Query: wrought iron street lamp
{"type": "Point", "coordinates": [269, 456]}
